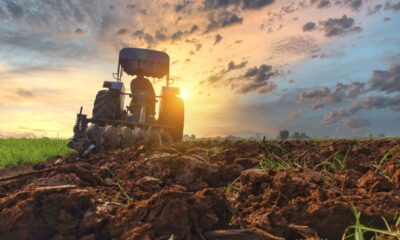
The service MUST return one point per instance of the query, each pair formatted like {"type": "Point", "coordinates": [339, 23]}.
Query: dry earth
{"type": "Point", "coordinates": [206, 190]}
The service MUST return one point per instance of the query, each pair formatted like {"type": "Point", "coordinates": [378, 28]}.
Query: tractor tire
{"type": "Point", "coordinates": [107, 106]}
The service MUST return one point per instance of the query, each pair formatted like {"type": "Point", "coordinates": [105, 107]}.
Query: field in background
{"type": "Point", "coordinates": [19, 151]}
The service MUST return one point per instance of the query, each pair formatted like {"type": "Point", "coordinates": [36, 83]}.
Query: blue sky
{"type": "Point", "coordinates": [248, 66]}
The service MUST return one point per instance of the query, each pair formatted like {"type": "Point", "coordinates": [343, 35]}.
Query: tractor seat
{"type": "Point", "coordinates": [142, 85]}
{"type": "Point", "coordinates": [143, 94]}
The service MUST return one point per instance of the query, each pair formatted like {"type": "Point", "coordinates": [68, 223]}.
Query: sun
{"type": "Point", "coordinates": [184, 94]}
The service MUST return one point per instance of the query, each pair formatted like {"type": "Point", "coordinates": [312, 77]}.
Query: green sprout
{"type": "Point", "coordinates": [229, 188]}
{"type": "Point", "coordinates": [358, 229]}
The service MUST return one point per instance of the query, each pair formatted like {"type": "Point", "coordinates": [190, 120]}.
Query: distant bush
{"type": "Point", "coordinates": [297, 135]}
{"type": "Point", "coordinates": [283, 134]}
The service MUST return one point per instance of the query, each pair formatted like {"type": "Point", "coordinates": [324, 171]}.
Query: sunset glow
{"type": "Point", "coordinates": [242, 69]}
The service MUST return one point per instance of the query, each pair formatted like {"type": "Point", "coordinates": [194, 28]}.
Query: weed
{"type": "Point", "coordinates": [342, 162]}
{"type": "Point", "coordinates": [384, 157]}
{"type": "Point", "coordinates": [359, 229]}
{"type": "Point", "coordinates": [122, 190]}
{"type": "Point", "coordinates": [268, 162]}
{"type": "Point", "coordinates": [379, 165]}
{"type": "Point", "coordinates": [229, 188]}
{"type": "Point", "coordinates": [337, 163]}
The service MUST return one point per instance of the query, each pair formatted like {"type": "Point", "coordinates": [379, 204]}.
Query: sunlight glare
{"type": "Point", "coordinates": [184, 94]}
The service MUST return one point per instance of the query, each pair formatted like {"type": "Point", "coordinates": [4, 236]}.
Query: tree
{"type": "Point", "coordinates": [295, 135]}
{"type": "Point", "coordinates": [303, 135]}
{"type": "Point", "coordinates": [283, 134]}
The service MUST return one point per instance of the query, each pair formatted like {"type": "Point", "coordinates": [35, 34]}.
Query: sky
{"type": "Point", "coordinates": [247, 67]}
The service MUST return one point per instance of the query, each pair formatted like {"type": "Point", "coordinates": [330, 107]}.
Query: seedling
{"type": "Point", "coordinates": [229, 188]}
{"type": "Point", "coordinates": [359, 229]}
{"type": "Point", "coordinates": [385, 156]}
{"type": "Point", "coordinates": [267, 163]}
{"type": "Point", "coordinates": [337, 163]}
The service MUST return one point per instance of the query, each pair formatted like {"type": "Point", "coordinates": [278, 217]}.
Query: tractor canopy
{"type": "Point", "coordinates": [152, 63]}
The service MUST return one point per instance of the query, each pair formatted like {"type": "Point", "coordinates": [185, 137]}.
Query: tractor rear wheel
{"type": "Point", "coordinates": [106, 106]}
{"type": "Point", "coordinates": [173, 115]}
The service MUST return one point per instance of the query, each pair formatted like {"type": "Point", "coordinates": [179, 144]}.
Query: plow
{"type": "Point", "coordinates": [114, 125]}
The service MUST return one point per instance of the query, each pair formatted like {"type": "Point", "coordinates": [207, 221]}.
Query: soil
{"type": "Point", "coordinates": [206, 190]}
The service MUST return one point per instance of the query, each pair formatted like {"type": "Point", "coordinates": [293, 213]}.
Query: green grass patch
{"type": "Point", "coordinates": [19, 151]}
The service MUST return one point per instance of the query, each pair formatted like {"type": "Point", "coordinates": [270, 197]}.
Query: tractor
{"type": "Point", "coordinates": [115, 125]}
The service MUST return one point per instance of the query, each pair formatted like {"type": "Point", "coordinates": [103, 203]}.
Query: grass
{"type": "Point", "coordinates": [358, 230]}
{"type": "Point", "coordinates": [379, 165]}
{"type": "Point", "coordinates": [385, 156]}
{"type": "Point", "coordinates": [19, 151]}
{"type": "Point", "coordinates": [335, 161]}
{"type": "Point", "coordinates": [230, 186]}
{"type": "Point", "coordinates": [273, 162]}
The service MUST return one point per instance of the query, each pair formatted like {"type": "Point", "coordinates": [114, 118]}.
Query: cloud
{"type": "Point", "coordinates": [30, 96]}
{"type": "Point", "coordinates": [393, 7]}
{"type": "Point", "coordinates": [246, 4]}
{"type": "Point", "coordinates": [214, 78]}
{"type": "Point", "coordinates": [29, 69]}
{"type": "Point", "coordinates": [309, 26]}
{"type": "Point", "coordinates": [222, 20]}
{"type": "Point", "coordinates": [79, 31]}
{"type": "Point", "coordinates": [255, 79]}
{"type": "Point", "coordinates": [355, 123]}
{"type": "Point", "coordinates": [256, 4]}
{"type": "Point", "coordinates": [233, 66]}
{"type": "Point", "coordinates": [220, 76]}
{"type": "Point", "coordinates": [339, 26]}
{"type": "Point", "coordinates": [24, 93]}
{"type": "Point", "coordinates": [353, 4]}
{"type": "Point", "coordinates": [142, 35]}
{"type": "Point", "coordinates": [294, 115]}
{"type": "Point", "coordinates": [296, 45]}
{"type": "Point", "coordinates": [215, 4]}
{"type": "Point", "coordinates": [177, 35]}
{"type": "Point", "coordinates": [43, 45]}
{"type": "Point", "coordinates": [289, 8]}
{"type": "Point", "coordinates": [122, 31]}
{"type": "Point", "coordinates": [194, 28]}
{"type": "Point", "coordinates": [14, 10]}
{"type": "Point", "coordinates": [321, 3]}
{"type": "Point", "coordinates": [381, 81]}
{"type": "Point", "coordinates": [374, 10]}
{"type": "Point", "coordinates": [182, 6]}
{"type": "Point", "coordinates": [322, 96]}
{"type": "Point", "coordinates": [370, 102]}
{"type": "Point", "coordinates": [218, 39]}
{"type": "Point", "coordinates": [160, 36]}
{"type": "Point", "coordinates": [386, 81]}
